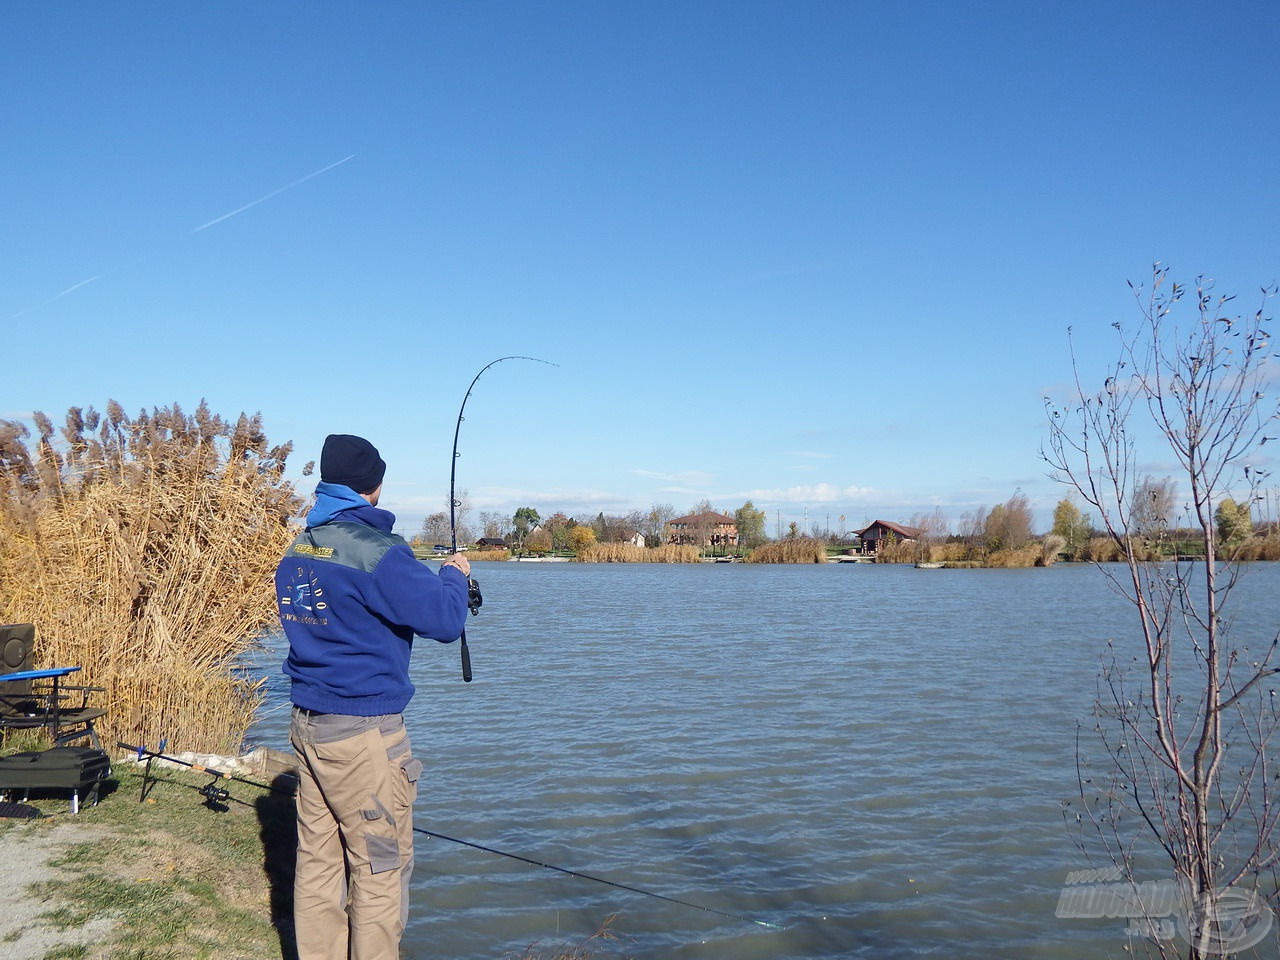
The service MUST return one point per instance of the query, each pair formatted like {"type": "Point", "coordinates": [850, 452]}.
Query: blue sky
{"type": "Point", "coordinates": [819, 255]}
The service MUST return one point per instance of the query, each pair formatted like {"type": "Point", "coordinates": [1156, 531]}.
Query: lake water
{"type": "Point", "coordinates": [872, 758]}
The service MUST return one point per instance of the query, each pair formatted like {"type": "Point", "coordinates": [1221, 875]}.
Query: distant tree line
{"type": "Point", "coordinates": [1002, 534]}
{"type": "Point", "coordinates": [528, 530]}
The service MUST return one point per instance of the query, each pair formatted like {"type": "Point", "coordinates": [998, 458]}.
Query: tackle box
{"type": "Point", "coordinates": [61, 768]}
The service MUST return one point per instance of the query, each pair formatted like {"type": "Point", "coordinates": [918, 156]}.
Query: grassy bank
{"type": "Point", "coordinates": [172, 879]}
{"type": "Point", "coordinates": [175, 879]}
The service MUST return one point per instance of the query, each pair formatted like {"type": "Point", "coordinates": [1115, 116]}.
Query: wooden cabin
{"type": "Point", "coordinates": [886, 531]}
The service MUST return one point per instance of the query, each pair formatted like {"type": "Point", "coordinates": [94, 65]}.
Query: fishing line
{"type": "Point", "coordinates": [588, 876]}
{"type": "Point", "coordinates": [474, 599]}
{"type": "Point", "coordinates": [222, 796]}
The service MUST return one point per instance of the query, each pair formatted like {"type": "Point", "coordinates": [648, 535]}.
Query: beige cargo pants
{"type": "Point", "coordinates": [357, 781]}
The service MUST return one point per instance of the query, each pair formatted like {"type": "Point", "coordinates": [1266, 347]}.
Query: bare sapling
{"type": "Point", "coordinates": [1187, 715]}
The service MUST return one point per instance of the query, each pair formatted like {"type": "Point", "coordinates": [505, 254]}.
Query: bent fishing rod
{"type": "Point", "coordinates": [474, 599]}
{"type": "Point", "coordinates": [214, 794]}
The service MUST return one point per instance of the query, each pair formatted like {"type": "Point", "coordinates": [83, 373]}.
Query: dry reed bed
{"type": "Point", "coordinates": [143, 552]}
{"type": "Point", "coordinates": [1036, 553]}
{"type": "Point", "coordinates": [1265, 547]}
{"type": "Point", "coordinates": [630, 553]}
{"type": "Point", "coordinates": [1029, 555]}
{"type": "Point", "coordinates": [910, 551]}
{"type": "Point", "coordinates": [482, 556]}
{"type": "Point", "coordinates": [798, 550]}
{"type": "Point", "coordinates": [1260, 546]}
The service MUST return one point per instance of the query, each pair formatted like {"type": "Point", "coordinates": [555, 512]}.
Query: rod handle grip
{"type": "Point", "coordinates": [466, 659]}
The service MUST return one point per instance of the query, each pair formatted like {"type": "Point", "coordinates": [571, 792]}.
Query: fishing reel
{"type": "Point", "coordinates": [215, 797]}
{"type": "Point", "coordinates": [474, 600]}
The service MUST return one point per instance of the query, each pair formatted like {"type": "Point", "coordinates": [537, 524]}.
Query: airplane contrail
{"type": "Point", "coordinates": [274, 193]}
{"type": "Point", "coordinates": [204, 226]}
{"type": "Point", "coordinates": [58, 296]}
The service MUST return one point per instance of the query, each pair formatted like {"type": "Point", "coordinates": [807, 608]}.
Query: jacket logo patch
{"type": "Point", "coordinates": [307, 550]}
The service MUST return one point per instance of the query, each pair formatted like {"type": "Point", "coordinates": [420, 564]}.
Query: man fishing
{"type": "Point", "coordinates": [352, 596]}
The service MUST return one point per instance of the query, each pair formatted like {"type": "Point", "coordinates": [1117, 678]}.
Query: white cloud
{"type": "Point", "coordinates": [816, 493]}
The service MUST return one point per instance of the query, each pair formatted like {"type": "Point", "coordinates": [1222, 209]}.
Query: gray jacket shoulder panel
{"type": "Point", "coordinates": [353, 545]}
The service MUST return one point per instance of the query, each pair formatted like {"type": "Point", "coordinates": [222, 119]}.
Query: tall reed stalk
{"type": "Point", "coordinates": [143, 550]}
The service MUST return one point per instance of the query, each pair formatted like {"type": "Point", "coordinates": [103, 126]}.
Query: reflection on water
{"type": "Point", "coordinates": [872, 758]}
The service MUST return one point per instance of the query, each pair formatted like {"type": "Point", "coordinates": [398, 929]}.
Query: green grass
{"type": "Point", "coordinates": [76, 952]}
{"type": "Point", "coordinates": [83, 855]}
{"type": "Point", "coordinates": [132, 902]}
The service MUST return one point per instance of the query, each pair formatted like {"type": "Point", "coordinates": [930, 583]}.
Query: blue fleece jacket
{"type": "Point", "coordinates": [351, 597]}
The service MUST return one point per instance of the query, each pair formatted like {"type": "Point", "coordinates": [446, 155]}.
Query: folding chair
{"type": "Point", "coordinates": [37, 699]}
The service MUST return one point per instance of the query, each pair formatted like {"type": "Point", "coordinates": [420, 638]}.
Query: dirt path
{"type": "Point", "coordinates": [25, 851]}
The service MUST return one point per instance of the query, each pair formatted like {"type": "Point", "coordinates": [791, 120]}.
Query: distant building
{"type": "Point", "coordinates": [492, 542]}
{"type": "Point", "coordinates": [707, 529]}
{"type": "Point", "coordinates": [888, 532]}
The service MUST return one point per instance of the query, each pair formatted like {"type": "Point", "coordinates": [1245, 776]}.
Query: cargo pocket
{"type": "Point", "coordinates": [380, 843]}
{"type": "Point", "coordinates": [412, 770]}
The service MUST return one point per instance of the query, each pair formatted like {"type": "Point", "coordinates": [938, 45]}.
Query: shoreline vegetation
{"type": "Point", "coordinates": [1000, 536]}
{"type": "Point", "coordinates": [997, 536]}
{"type": "Point", "coordinates": [1261, 545]}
